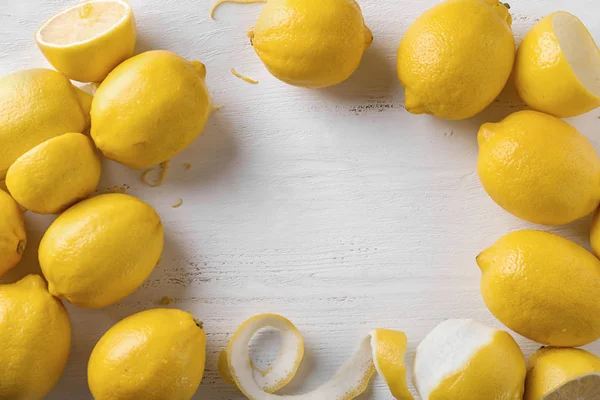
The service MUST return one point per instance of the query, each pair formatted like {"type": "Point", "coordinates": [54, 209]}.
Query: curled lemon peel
{"type": "Point", "coordinates": [162, 173]}
{"type": "Point", "coordinates": [219, 2]}
{"type": "Point", "coordinates": [178, 204]}
{"type": "Point", "coordinates": [381, 351]}
{"type": "Point", "coordinates": [243, 77]}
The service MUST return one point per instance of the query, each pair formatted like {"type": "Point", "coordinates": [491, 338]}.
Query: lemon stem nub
{"type": "Point", "coordinates": [506, 5]}
{"type": "Point", "coordinates": [199, 324]}
{"type": "Point", "coordinates": [219, 2]}
{"type": "Point", "coordinates": [21, 247]}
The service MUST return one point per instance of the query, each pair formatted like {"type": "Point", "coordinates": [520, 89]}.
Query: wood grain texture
{"type": "Point", "coordinates": [334, 207]}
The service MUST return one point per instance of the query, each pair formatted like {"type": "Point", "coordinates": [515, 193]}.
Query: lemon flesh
{"type": "Point", "coordinates": [87, 41]}
{"type": "Point", "coordinates": [557, 69]}
{"type": "Point", "coordinates": [55, 174]}
{"type": "Point", "coordinates": [311, 43]}
{"type": "Point", "coordinates": [563, 373]}
{"type": "Point", "coordinates": [35, 338]}
{"type": "Point", "coordinates": [456, 58]}
{"type": "Point", "coordinates": [152, 355]}
{"type": "Point", "coordinates": [13, 238]}
{"type": "Point", "coordinates": [101, 249]}
{"type": "Point", "coordinates": [543, 287]}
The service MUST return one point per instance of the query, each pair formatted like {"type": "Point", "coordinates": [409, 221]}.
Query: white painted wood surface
{"type": "Point", "coordinates": [334, 207]}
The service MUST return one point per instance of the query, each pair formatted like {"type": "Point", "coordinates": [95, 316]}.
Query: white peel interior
{"type": "Point", "coordinates": [579, 48]}
{"type": "Point", "coordinates": [446, 350]}
{"type": "Point", "coordinates": [349, 382]}
{"type": "Point", "coordinates": [83, 22]}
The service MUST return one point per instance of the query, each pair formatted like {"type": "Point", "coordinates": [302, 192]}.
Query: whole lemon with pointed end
{"type": "Point", "coordinates": [101, 249]}
{"type": "Point", "coordinates": [36, 105]}
{"type": "Point", "coordinates": [150, 108]}
{"type": "Point", "coordinates": [55, 174]}
{"type": "Point", "coordinates": [13, 238]}
{"type": "Point", "coordinates": [35, 338]}
{"type": "Point", "coordinates": [456, 58]}
{"type": "Point", "coordinates": [311, 43]}
{"type": "Point", "coordinates": [464, 359]}
{"type": "Point", "coordinates": [563, 374]}
{"type": "Point", "coordinates": [539, 168]}
{"type": "Point", "coordinates": [152, 355]}
{"type": "Point", "coordinates": [543, 287]}
{"type": "Point", "coordinates": [557, 67]}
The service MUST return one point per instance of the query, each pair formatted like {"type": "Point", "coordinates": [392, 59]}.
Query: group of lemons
{"type": "Point", "coordinates": [453, 62]}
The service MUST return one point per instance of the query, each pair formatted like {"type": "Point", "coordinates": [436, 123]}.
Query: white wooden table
{"type": "Point", "coordinates": [335, 207]}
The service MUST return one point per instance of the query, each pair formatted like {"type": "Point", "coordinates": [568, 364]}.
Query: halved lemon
{"type": "Point", "coordinates": [563, 374]}
{"type": "Point", "coordinates": [87, 41]}
{"type": "Point", "coordinates": [382, 350]}
{"type": "Point", "coordinates": [557, 69]}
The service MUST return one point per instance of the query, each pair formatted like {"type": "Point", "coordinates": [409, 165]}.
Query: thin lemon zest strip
{"type": "Point", "coordinates": [243, 77]}
{"type": "Point", "coordinates": [219, 2]}
{"type": "Point", "coordinates": [178, 204]}
{"type": "Point", "coordinates": [164, 167]}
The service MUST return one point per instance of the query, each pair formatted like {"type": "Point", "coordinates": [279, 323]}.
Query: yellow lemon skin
{"type": "Point", "coordinates": [539, 168]}
{"type": "Point", "coordinates": [150, 108]}
{"type": "Point", "coordinates": [456, 58]}
{"type": "Point", "coordinates": [311, 43]}
{"type": "Point", "coordinates": [389, 352]}
{"type": "Point", "coordinates": [37, 105]}
{"type": "Point", "coordinates": [93, 59]}
{"type": "Point", "coordinates": [543, 287]}
{"type": "Point", "coordinates": [13, 238]}
{"type": "Point", "coordinates": [35, 338]}
{"type": "Point", "coordinates": [55, 174]}
{"type": "Point", "coordinates": [543, 76]}
{"type": "Point", "coordinates": [101, 249]}
{"type": "Point", "coordinates": [496, 372]}
{"type": "Point", "coordinates": [549, 368]}
{"type": "Point", "coordinates": [156, 354]}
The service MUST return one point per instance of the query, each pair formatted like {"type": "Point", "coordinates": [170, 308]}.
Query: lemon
{"type": "Point", "coordinates": [101, 249]}
{"type": "Point", "coordinates": [13, 239]}
{"type": "Point", "coordinates": [563, 374]}
{"type": "Point", "coordinates": [310, 43]}
{"type": "Point", "coordinates": [35, 338]}
{"type": "Point", "coordinates": [383, 350]}
{"type": "Point", "coordinates": [455, 59]}
{"type": "Point", "coordinates": [55, 174]}
{"type": "Point", "coordinates": [539, 168]}
{"type": "Point", "coordinates": [543, 287]}
{"type": "Point", "coordinates": [595, 234]}
{"type": "Point", "coordinates": [150, 108]}
{"type": "Point", "coordinates": [88, 40]}
{"type": "Point", "coordinates": [464, 359]}
{"type": "Point", "coordinates": [37, 104]}
{"type": "Point", "coordinates": [152, 355]}
{"type": "Point", "coordinates": [557, 69]}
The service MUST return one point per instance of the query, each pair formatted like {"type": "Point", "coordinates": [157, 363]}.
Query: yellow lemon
{"type": "Point", "coordinates": [88, 40]}
{"type": "Point", "coordinates": [13, 239]}
{"type": "Point", "coordinates": [595, 234]}
{"type": "Point", "coordinates": [464, 359]}
{"type": "Point", "coordinates": [150, 108]}
{"type": "Point", "coordinates": [101, 249]}
{"type": "Point", "coordinates": [557, 69]}
{"type": "Point", "coordinates": [37, 104]}
{"type": "Point", "coordinates": [543, 287]}
{"type": "Point", "coordinates": [35, 338]}
{"type": "Point", "coordinates": [55, 174]}
{"type": "Point", "coordinates": [310, 43]}
{"type": "Point", "coordinates": [152, 355]}
{"type": "Point", "coordinates": [539, 168]}
{"type": "Point", "coordinates": [455, 59]}
{"type": "Point", "coordinates": [563, 374]}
